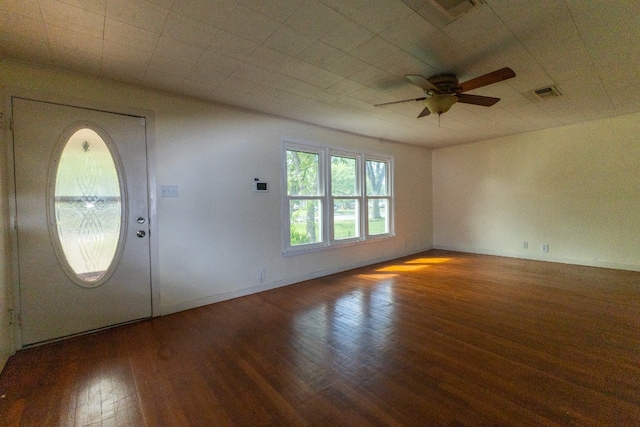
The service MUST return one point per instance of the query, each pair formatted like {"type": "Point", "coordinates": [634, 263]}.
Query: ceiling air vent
{"type": "Point", "coordinates": [441, 13]}
{"type": "Point", "coordinates": [455, 8]}
{"type": "Point", "coordinates": [546, 92]}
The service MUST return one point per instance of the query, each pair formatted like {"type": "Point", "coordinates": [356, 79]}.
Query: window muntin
{"type": "Point", "coordinates": [357, 204]}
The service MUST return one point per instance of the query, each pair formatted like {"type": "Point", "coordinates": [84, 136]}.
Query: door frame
{"type": "Point", "coordinates": [10, 188]}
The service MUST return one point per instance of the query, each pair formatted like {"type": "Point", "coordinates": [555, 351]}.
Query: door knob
{"type": "Point", "coordinates": [141, 233]}
{"type": "Point", "coordinates": [140, 220]}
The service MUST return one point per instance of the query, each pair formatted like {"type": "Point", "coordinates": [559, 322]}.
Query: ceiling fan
{"type": "Point", "coordinates": [443, 90]}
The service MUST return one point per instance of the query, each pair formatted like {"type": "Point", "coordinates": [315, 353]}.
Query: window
{"type": "Point", "coordinates": [305, 196]}
{"type": "Point", "coordinates": [87, 208]}
{"type": "Point", "coordinates": [345, 199]}
{"type": "Point", "coordinates": [378, 200]}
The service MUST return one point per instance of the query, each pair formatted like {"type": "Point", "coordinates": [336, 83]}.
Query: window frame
{"type": "Point", "coordinates": [327, 199]}
{"type": "Point", "coordinates": [388, 197]}
{"type": "Point", "coordinates": [360, 185]}
{"type": "Point", "coordinates": [321, 196]}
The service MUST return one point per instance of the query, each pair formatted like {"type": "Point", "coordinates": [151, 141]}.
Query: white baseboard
{"type": "Point", "coordinates": [187, 305]}
{"type": "Point", "coordinates": [586, 263]}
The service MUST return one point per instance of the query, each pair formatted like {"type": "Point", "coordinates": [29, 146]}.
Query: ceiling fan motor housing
{"type": "Point", "coordinates": [446, 83]}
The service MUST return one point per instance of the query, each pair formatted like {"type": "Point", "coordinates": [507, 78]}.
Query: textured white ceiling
{"type": "Point", "coordinates": [328, 61]}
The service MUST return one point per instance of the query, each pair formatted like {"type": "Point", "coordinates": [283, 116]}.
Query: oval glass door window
{"type": "Point", "coordinates": [88, 207]}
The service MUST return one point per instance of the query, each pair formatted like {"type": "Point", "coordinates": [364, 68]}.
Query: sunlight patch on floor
{"type": "Point", "coordinates": [402, 268]}
{"type": "Point", "coordinates": [429, 261]}
{"type": "Point", "coordinates": [380, 276]}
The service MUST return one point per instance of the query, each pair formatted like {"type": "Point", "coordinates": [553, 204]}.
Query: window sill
{"type": "Point", "coordinates": [302, 251]}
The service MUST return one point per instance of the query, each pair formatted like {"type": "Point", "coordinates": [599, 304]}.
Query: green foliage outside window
{"type": "Point", "coordinates": [347, 194]}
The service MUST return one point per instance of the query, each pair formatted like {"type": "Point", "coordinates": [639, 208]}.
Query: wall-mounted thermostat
{"type": "Point", "coordinates": [260, 186]}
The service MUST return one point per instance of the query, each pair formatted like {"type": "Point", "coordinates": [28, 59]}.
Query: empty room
{"type": "Point", "coordinates": [319, 212]}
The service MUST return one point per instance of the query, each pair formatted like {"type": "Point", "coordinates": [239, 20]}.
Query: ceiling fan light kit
{"type": "Point", "coordinates": [444, 90]}
{"type": "Point", "coordinates": [438, 104]}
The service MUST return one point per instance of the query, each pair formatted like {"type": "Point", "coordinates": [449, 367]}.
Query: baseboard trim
{"type": "Point", "coordinates": [586, 263]}
{"type": "Point", "coordinates": [187, 305]}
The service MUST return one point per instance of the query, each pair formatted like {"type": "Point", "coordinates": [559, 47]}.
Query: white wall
{"type": "Point", "coordinates": [576, 188]}
{"type": "Point", "coordinates": [6, 332]}
{"type": "Point", "coordinates": [215, 236]}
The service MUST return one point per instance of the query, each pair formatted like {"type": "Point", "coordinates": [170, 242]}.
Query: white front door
{"type": "Point", "coordinates": [82, 214]}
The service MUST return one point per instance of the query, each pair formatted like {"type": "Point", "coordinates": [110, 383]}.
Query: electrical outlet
{"type": "Point", "coordinates": [525, 245]}
{"type": "Point", "coordinates": [544, 247]}
{"type": "Point", "coordinates": [261, 275]}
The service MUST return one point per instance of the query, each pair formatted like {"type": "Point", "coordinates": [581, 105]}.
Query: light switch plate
{"type": "Point", "coordinates": [169, 191]}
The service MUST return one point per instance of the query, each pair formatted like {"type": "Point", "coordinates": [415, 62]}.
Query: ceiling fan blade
{"type": "Point", "coordinates": [485, 101]}
{"type": "Point", "coordinates": [487, 79]}
{"type": "Point", "coordinates": [398, 102]}
{"type": "Point", "coordinates": [422, 82]}
{"type": "Point", "coordinates": [424, 112]}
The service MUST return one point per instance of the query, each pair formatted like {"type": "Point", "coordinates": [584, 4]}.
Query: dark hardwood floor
{"type": "Point", "coordinates": [437, 339]}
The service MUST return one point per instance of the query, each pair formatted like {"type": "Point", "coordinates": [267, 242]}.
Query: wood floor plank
{"type": "Point", "coordinates": [439, 338]}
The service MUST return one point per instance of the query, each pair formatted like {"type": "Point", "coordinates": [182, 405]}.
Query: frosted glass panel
{"type": "Point", "coordinates": [88, 205]}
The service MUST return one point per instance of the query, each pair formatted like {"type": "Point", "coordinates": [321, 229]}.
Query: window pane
{"type": "Point", "coordinates": [305, 219]}
{"type": "Point", "coordinates": [378, 216]}
{"type": "Point", "coordinates": [343, 176]}
{"type": "Point", "coordinates": [346, 219]}
{"type": "Point", "coordinates": [87, 204]}
{"type": "Point", "coordinates": [302, 173]}
{"type": "Point", "coordinates": [376, 178]}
